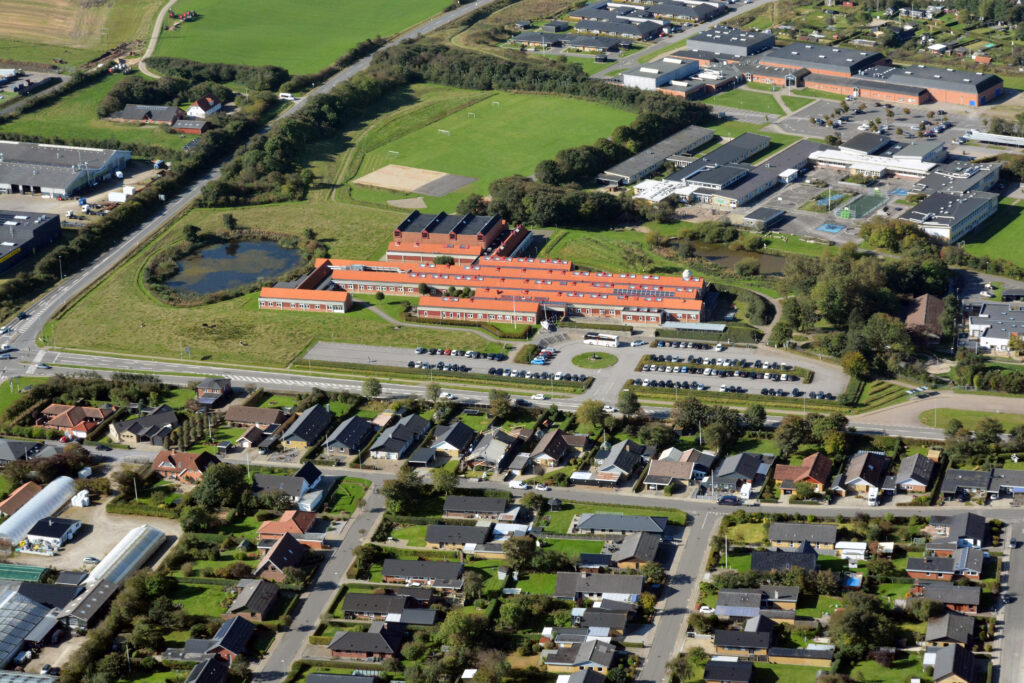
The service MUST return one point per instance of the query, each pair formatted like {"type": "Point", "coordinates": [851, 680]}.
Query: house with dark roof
{"type": "Point", "coordinates": [780, 597]}
{"type": "Point", "coordinates": [422, 457]}
{"type": "Point", "coordinates": [454, 440]}
{"type": "Point", "coordinates": [11, 450]}
{"type": "Point", "coordinates": [636, 550]}
{"type": "Point", "coordinates": [212, 390]}
{"type": "Point", "coordinates": [475, 507]}
{"type": "Point", "coordinates": [209, 670]}
{"type": "Point", "coordinates": [147, 113]}
{"type": "Point", "coordinates": [152, 427]}
{"type": "Point", "coordinates": [593, 562]}
{"type": "Point", "coordinates": [181, 466]}
{"type": "Point", "coordinates": [446, 576]}
{"type": "Point", "coordinates": [230, 641]}
{"type": "Point", "coordinates": [950, 629]}
{"type": "Point", "coordinates": [579, 586]}
{"type": "Point", "coordinates": [382, 641]}
{"type": "Point", "coordinates": [49, 534]}
{"type": "Point", "coordinates": [551, 450]}
{"type": "Point", "coordinates": [739, 603]}
{"type": "Point", "coordinates": [966, 562]}
{"type": "Point", "coordinates": [301, 487]}
{"type": "Point", "coordinates": [372, 605]}
{"type": "Point", "coordinates": [617, 523]}
{"type": "Point", "coordinates": [493, 451]}
{"type": "Point", "coordinates": [286, 552]}
{"type": "Point", "coordinates": [951, 664]}
{"type": "Point", "coordinates": [308, 428]}
{"type": "Point", "coordinates": [783, 560]}
{"type": "Point", "coordinates": [84, 610]}
{"type": "Point", "coordinates": [594, 655]}
{"type": "Point", "coordinates": [619, 462]}
{"type": "Point", "coordinates": [742, 643]}
{"type": "Point", "coordinates": [957, 483]}
{"type": "Point", "coordinates": [590, 617]}
{"type": "Point", "coordinates": [966, 528]}
{"type": "Point", "coordinates": [395, 442]}
{"type": "Point", "coordinates": [254, 598]}
{"type": "Point", "coordinates": [742, 469]}
{"type": "Point", "coordinates": [350, 437]}
{"type": "Point", "coordinates": [456, 536]}
{"type": "Point", "coordinates": [915, 475]}
{"type": "Point", "coordinates": [813, 470]}
{"type": "Point", "coordinates": [815, 655]}
{"type": "Point", "coordinates": [793, 536]}
{"type": "Point", "coordinates": [865, 473]}
{"type": "Point", "coordinates": [962, 599]}
{"type": "Point", "coordinates": [717, 671]}
{"type": "Point", "coordinates": [248, 416]}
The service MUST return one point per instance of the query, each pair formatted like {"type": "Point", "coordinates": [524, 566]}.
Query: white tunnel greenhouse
{"type": "Point", "coordinates": [45, 503]}
{"type": "Point", "coordinates": [129, 554]}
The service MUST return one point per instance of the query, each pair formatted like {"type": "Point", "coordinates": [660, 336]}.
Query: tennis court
{"type": "Point", "coordinates": [20, 572]}
{"type": "Point", "coordinates": [862, 206]}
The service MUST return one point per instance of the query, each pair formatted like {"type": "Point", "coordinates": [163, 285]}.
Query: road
{"type": "Point", "coordinates": [158, 27]}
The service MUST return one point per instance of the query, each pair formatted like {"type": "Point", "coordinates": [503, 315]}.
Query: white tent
{"type": "Point", "coordinates": [128, 555]}
{"type": "Point", "coordinates": [48, 501]}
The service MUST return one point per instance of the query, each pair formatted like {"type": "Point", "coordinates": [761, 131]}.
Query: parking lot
{"type": "Point", "coordinates": [136, 174]}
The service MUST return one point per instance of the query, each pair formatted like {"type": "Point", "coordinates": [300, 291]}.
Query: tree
{"type": "Point", "coordinates": [534, 501]}
{"type": "Point", "coordinates": [445, 481]}
{"type": "Point", "coordinates": [512, 615]}
{"type": "Point", "coordinates": [462, 630]}
{"type": "Point", "coordinates": [653, 573]}
{"type": "Point", "coordinates": [628, 403]}
{"type": "Point", "coordinates": [590, 412]}
{"type": "Point", "coordinates": [491, 667]}
{"type": "Point", "coordinates": [657, 435]}
{"type": "Point", "coordinates": [754, 416]}
{"type": "Point", "coordinates": [688, 414]}
{"type": "Point", "coordinates": [953, 428]}
{"type": "Point", "coordinates": [402, 492]}
{"type": "Point", "coordinates": [948, 318]}
{"type": "Point", "coordinates": [855, 364]}
{"type": "Point", "coordinates": [863, 624]}
{"type": "Point", "coordinates": [988, 431]}
{"type": "Point", "coordinates": [802, 491]}
{"type": "Point", "coordinates": [222, 485]}
{"type": "Point", "coordinates": [195, 519]}
{"type": "Point", "coordinates": [520, 552]}
{"type": "Point", "coordinates": [685, 666]}
{"type": "Point", "coordinates": [190, 233]}
{"type": "Point", "coordinates": [127, 479]}
{"type": "Point", "coordinates": [239, 669]}
{"type": "Point", "coordinates": [923, 609]}
{"type": "Point", "coordinates": [834, 443]}
{"type": "Point", "coordinates": [499, 404]}
{"type": "Point", "coordinates": [791, 432]}
{"type": "Point", "coordinates": [472, 203]}
{"type": "Point", "coordinates": [444, 261]}
{"type": "Point", "coordinates": [371, 387]}
{"type": "Point", "coordinates": [146, 636]}
{"type": "Point", "coordinates": [433, 392]}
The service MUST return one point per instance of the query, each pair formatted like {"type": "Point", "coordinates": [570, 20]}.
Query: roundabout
{"type": "Point", "coordinates": [595, 360]}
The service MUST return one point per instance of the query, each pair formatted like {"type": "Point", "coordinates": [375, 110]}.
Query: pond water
{"type": "Point", "coordinates": [233, 264]}
{"type": "Point", "coordinates": [771, 264]}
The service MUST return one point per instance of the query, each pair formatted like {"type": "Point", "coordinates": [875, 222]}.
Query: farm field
{"type": "Point", "coordinates": [74, 119]}
{"type": "Point", "coordinates": [1000, 235]}
{"type": "Point", "coordinates": [44, 30]}
{"type": "Point", "coordinates": [235, 330]}
{"type": "Point", "coordinates": [521, 130]}
{"type": "Point", "coordinates": [261, 32]}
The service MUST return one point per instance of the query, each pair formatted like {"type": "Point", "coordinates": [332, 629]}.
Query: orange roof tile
{"type": "Point", "coordinates": [19, 497]}
{"type": "Point", "coordinates": [474, 304]}
{"type": "Point", "coordinates": [305, 294]}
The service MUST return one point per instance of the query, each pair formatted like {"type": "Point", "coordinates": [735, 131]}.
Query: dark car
{"type": "Point", "coordinates": [729, 500]}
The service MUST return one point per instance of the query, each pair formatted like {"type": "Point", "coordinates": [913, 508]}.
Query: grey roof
{"type": "Point", "coordinates": [731, 41]}
{"type": "Point", "coordinates": [445, 224]}
{"type": "Point", "coordinates": [211, 670]}
{"type": "Point", "coordinates": [373, 603]}
{"type": "Point", "coordinates": [738, 602]}
{"type": "Point", "coordinates": [569, 584]}
{"type": "Point", "coordinates": [55, 166]}
{"type": "Point", "coordinates": [795, 531]}
{"type": "Point", "coordinates": [492, 505]}
{"type": "Point", "coordinates": [422, 456]}
{"type": "Point", "coordinates": [402, 434]}
{"type": "Point", "coordinates": [624, 455]}
{"type": "Point", "coordinates": [795, 156]}
{"type": "Point", "coordinates": [953, 660]}
{"type": "Point", "coordinates": [457, 534]}
{"type": "Point", "coordinates": [17, 450]}
{"type": "Point", "coordinates": [758, 640]}
{"type": "Point", "coordinates": [870, 466]}
{"type": "Point", "coordinates": [49, 595]}
{"type": "Point", "coordinates": [416, 616]}
{"type": "Point", "coordinates": [639, 547]}
{"type": "Point", "coordinates": [161, 421]}
{"type": "Point", "coordinates": [70, 578]}
{"type": "Point", "coordinates": [765, 214]}
{"type": "Point", "coordinates": [618, 522]}
{"type": "Point", "coordinates": [963, 525]}
{"type": "Point", "coordinates": [422, 569]}
{"type": "Point", "coordinates": [493, 447]}
{"type": "Point", "coordinates": [254, 595]}
{"type": "Point", "coordinates": [309, 473]}
{"type": "Point", "coordinates": [957, 177]}
{"type": "Point", "coordinates": [802, 653]}
{"type": "Point", "coordinates": [885, 86]}
{"type": "Point", "coordinates": [866, 143]}
{"type": "Point", "coordinates": [728, 672]}
{"type": "Point", "coordinates": [286, 552]}
{"type": "Point", "coordinates": [583, 676]}
{"type": "Point", "coordinates": [594, 560]}
{"type": "Point", "coordinates": [738, 149]}
{"type": "Point", "coordinates": [768, 560]}
{"type": "Point", "coordinates": [950, 626]}
{"type": "Point", "coordinates": [780, 593]}
{"type": "Point", "coordinates": [933, 77]}
{"type": "Point", "coordinates": [220, 383]}
{"type": "Point", "coordinates": [543, 37]}
{"type": "Point", "coordinates": [931, 565]}
{"type": "Point", "coordinates": [595, 42]}
{"type": "Point", "coordinates": [351, 434]}
{"type": "Point", "coordinates": [141, 112]}
{"type": "Point", "coordinates": [89, 602]}
{"type": "Point", "coordinates": [821, 57]}
{"type": "Point", "coordinates": [457, 434]}
{"type": "Point", "coordinates": [310, 425]}
{"type": "Point", "coordinates": [947, 593]}
{"type": "Point", "coordinates": [234, 634]}
{"type": "Point", "coordinates": [968, 560]}
{"type": "Point", "coordinates": [271, 483]}
{"type": "Point", "coordinates": [740, 466]}
{"type": "Point", "coordinates": [383, 638]}
{"type": "Point", "coordinates": [718, 177]}
{"type": "Point", "coordinates": [595, 651]}
{"type": "Point", "coordinates": [947, 210]}
{"type": "Point", "coordinates": [598, 618]}
{"type": "Point", "coordinates": [339, 678]}
{"type": "Point", "coordinates": [920, 149]}
{"type": "Point", "coordinates": [620, 28]}
{"type": "Point", "coordinates": [965, 479]}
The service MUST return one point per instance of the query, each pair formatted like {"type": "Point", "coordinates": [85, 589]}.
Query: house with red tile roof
{"type": "Point", "coordinates": [18, 498]}
{"type": "Point", "coordinates": [203, 107]}
{"type": "Point", "coordinates": [74, 421]}
{"type": "Point", "coordinates": [813, 470]}
{"type": "Point", "coordinates": [298, 523]}
{"type": "Point", "coordinates": [182, 466]}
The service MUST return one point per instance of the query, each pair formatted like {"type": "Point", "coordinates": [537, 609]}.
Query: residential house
{"type": "Point", "coordinates": [49, 534]}
{"type": "Point", "coordinates": [593, 562]}
{"type": "Point", "coordinates": [617, 523]}
{"type": "Point", "coordinates": [372, 605]}
{"type": "Point", "coordinates": [350, 437]}
{"type": "Point", "coordinates": [742, 643]}
{"type": "Point", "coordinates": [454, 440]}
{"type": "Point", "coordinates": [702, 461]}
{"type": "Point", "coordinates": [152, 427]}
{"type": "Point", "coordinates": [456, 536]}
{"type": "Point", "coordinates": [636, 550]}
{"type": "Point", "coordinates": [590, 617]}
{"type": "Point", "coordinates": [962, 599]}
{"type": "Point", "coordinates": [813, 655]}
{"type": "Point", "coordinates": [213, 390]}
{"type": "Point", "coordinates": [793, 536]}
{"type": "Point", "coordinates": [739, 603]}
{"type": "Point", "coordinates": [963, 483]}
{"type": "Point", "coordinates": [952, 664]}
{"type": "Point", "coordinates": [395, 442]}
{"type": "Point", "coordinates": [446, 576]}
{"type": "Point", "coordinates": [230, 641]}
{"type": "Point", "coordinates": [551, 450]}
{"type": "Point", "coordinates": [286, 552]}
{"type": "Point", "coordinates": [594, 655]}
{"type": "Point", "coordinates": [475, 507]}
{"type": "Point", "coordinates": [301, 487]}
{"type": "Point", "coordinates": [664, 473]}
{"type": "Point", "coordinates": [966, 528]}
{"type": "Point", "coordinates": [209, 670]}
{"type": "Point", "coordinates": [964, 562]}
{"type": "Point", "coordinates": [781, 597]}
{"type": "Point", "coordinates": [864, 475]}
{"type": "Point", "coordinates": [718, 671]}
{"type": "Point", "coordinates": [923, 317]}
{"type": "Point", "coordinates": [583, 675]}
{"type": "Point", "coordinates": [18, 498]}
{"type": "Point", "coordinates": [203, 107]}
{"type": "Point", "coordinates": [382, 641]}
{"type": "Point", "coordinates": [813, 470]}
{"type": "Point", "coordinates": [568, 636]}
{"type": "Point", "coordinates": [254, 598]}
{"type": "Point", "coordinates": [73, 421]}
{"type": "Point", "coordinates": [618, 463]}
{"type": "Point", "coordinates": [11, 450]}
{"type": "Point", "coordinates": [308, 428]}
{"type": "Point", "coordinates": [581, 586]}
{"type": "Point", "coordinates": [251, 438]}
{"type": "Point", "coordinates": [950, 629]}
{"type": "Point", "coordinates": [183, 467]}
{"type": "Point", "coordinates": [742, 472]}
{"type": "Point", "coordinates": [422, 457]}
{"type": "Point", "coordinates": [300, 524]}
{"type": "Point", "coordinates": [783, 560]}
{"type": "Point", "coordinates": [493, 451]}
{"type": "Point", "coordinates": [249, 416]}
{"type": "Point", "coordinates": [914, 475]}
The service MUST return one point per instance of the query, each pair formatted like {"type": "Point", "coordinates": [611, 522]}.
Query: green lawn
{"type": "Point", "coordinates": [278, 401]}
{"type": "Point", "coordinates": [10, 389]}
{"type": "Point", "coordinates": [589, 65]}
{"type": "Point", "coordinates": [557, 521]}
{"type": "Point", "coordinates": [1000, 235]}
{"type": "Point", "coordinates": [573, 548]}
{"type": "Point", "coordinates": [538, 584]}
{"type": "Point", "coordinates": [595, 360]}
{"type": "Point", "coordinates": [793, 245]}
{"type": "Point", "coordinates": [247, 528]}
{"type": "Point", "coordinates": [902, 669]}
{"type": "Point", "coordinates": [794, 102]}
{"type": "Point", "coordinates": [969, 418]}
{"type": "Point", "coordinates": [178, 397]}
{"type": "Point", "coordinates": [519, 129]}
{"type": "Point", "coordinates": [747, 99]}
{"type": "Point", "coordinates": [348, 494]}
{"type": "Point", "coordinates": [738, 561]}
{"type": "Point", "coordinates": [898, 591]}
{"type": "Point", "coordinates": [815, 606]}
{"type": "Point", "coordinates": [415, 535]}
{"type": "Point", "coordinates": [74, 119]}
{"type": "Point", "coordinates": [784, 673]}
{"type": "Point", "coordinates": [263, 32]}
{"type": "Point", "coordinates": [750, 533]}
{"type": "Point", "coordinates": [821, 94]}
{"type": "Point", "coordinates": [199, 599]}
{"type": "Point", "coordinates": [489, 568]}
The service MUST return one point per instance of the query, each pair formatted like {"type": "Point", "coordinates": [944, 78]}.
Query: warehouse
{"type": "Point", "coordinates": [950, 217]}
{"type": "Point", "coordinates": [653, 75]}
{"type": "Point", "coordinates": [732, 41]}
{"type": "Point", "coordinates": [641, 165]}
{"type": "Point", "coordinates": [128, 555]}
{"type": "Point", "coordinates": [822, 59]}
{"type": "Point", "coordinates": [873, 89]}
{"type": "Point", "coordinates": [947, 86]}
{"type": "Point", "coordinates": [55, 170]}
{"type": "Point", "coordinates": [48, 501]}
{"type": "Point", "coordinates": [763, 218]}
{"type": "Point", "coordinates": [23, 235]}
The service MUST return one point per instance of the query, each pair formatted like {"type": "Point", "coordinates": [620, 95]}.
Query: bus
{"type": "Point", "coordinates": [601, 339]}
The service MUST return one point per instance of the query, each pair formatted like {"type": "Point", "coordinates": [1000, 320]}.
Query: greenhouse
{"type": "Point", "coordinates": [45, 503]}
{"type": "Point", "coordinates": [132, 552]}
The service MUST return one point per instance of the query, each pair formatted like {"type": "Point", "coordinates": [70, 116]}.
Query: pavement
{"type": "Point", "coordinates": [1008, 656]}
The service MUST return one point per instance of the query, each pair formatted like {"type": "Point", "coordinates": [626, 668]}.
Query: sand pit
{"type": "Point", "coordinates": [409, 179]}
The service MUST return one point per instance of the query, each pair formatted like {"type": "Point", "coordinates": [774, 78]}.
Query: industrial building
{"type": "Point", "coordinates": [131, 552]}
{"type": "Point", "coordinates": [654, 75]}
{"type": "Point", "coordinates": [646, 30]}
{"type": "Point", "coordinates": [55, 170]}
{"type": "Point", "coordinates": [731, 41]}
{"type": "Point", "coordinates": [23, 621]}
{"type": "Point", "coordinates": [50, 500]}
{"type": "Point", "coordinates": [822, 59]}
{"type": "Point", "coordinates": [950, 86]}
{"type": "Point", "coordinates": [950, 217]}
{"type": "Point", "coordinates": [23, 235]}
{"type": "Point", "coordinates": [646, 162]}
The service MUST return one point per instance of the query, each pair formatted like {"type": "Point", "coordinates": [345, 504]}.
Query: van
{"type": "Point", "coordinates": [287, 96]}
{"type": "Point", "coordinates": [5, 347]}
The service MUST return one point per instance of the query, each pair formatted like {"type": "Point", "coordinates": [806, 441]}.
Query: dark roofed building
{"type": "Point", "coordinates": [915, 475]}
{"type": "Point", "coordinates": [230, 641]}
{"type": "Point", "coordinates": [794, 535]}
{"type": "Point", "coordinates": [779, 560]}
{"type": "Point", "coordinates": [152, 427]}
{"type": "Point", "coordinates": [445, 536]}
{"type": "Point", "coordinates": [350, 437]}
{"type": "Point", "coordinates": [824, 59]}
{"type": "Point", "coordinates": [866, 143]}
{"type": "Point", "coordinates": [739, 603]}
{"type": "Point", "coordinates": [82, 612]}
{"type": "Point", "coordinates": [636, 550]}
{"type": "Point", "coordinates": [612, 523]}
{"type": "Point", "coordinates": [372, 605]}
{"type": "Point", "coordinates": [475, 507]}
{"type": "Point", "coordinates": [763, 218]}
{"type": "Point", "coordinates": [212, 389]}
{"type": "Point", "coordinates": [728, 641]}
{"type": "Point", "coordinates": [455, 439]}
{"type": "Point", "coordinates": [210, 670]}
{"type": "Point", "coordinates": [253, 599]}
{"type": "Point", "coordinates": [922, 315]}
{"type": "Point", "coordinates": [953, 664]}
{"type": "Point", "coordinates": [949, 629]}
{"type": "Point", "coordinates": [286, 552]}
{"type": "Point", "coordinates": [966, 528]}
{"type": "Point", "coordinates": [728, 672]}
{"type": "Point", "coordinates": [963, 599]}
{"type": "Point", "coordinates": [308, 427]}
{"type": "Point", "coordinates": [382, 641]}
{"type": "Point", "coordinates": [444, 575]}
{"type": "Point", "coordinates": [950, 217]}
{"type": "Point", "coordinates": [148, 113]}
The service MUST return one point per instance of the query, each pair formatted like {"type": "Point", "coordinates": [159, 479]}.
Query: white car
{"type": "Point", "coordinates": [704, 609]}
{"type": "Point", "coordinates": [542, 487]}
{"type": "Point", "coordinates": [516, 484]}
{"type": "Point", "coordinates": [610, 409]}
{"type": "Point", "coordinates": [447, 395]}
{"type": "Point", "coordinates": [539, 397]}
{"type": "Point", "coordinates": [639, 342]}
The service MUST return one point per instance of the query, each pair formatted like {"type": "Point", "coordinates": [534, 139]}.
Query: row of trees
{"type": "Point", "coordinates": [121, 388]}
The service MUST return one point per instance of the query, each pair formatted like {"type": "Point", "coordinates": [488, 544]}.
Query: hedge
{"type": "Point", "coordinates": [122, 508]}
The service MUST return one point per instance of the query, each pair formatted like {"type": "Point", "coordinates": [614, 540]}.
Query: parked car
{"type": "Point", "coordinates": [516, 484]}
{"type": "Point", "coordinates": [729, 500]}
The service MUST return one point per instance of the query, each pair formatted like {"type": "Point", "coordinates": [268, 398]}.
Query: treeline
{"type": "Point", "coordinates": [167, 90]}
{"type": "Point", "coordinates": [266, 77]}
{"type": "Point", "coordinates": [121, 388]}
{"type": "Point", "coordinates": [306, 81]}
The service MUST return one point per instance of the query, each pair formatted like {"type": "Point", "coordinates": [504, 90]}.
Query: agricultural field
{"type": "Point", "coordinates": [235, 330]}
{"type": "Point", "coordinates": [43, 31]}
{"type": "Point", "coordinates": [457, 132]}
{"type": "Point", "coordinates": [74, 118]}
{"type": "Point", "coordinates": [1000, 235]}
{"type": "Point", "coordinates": [303, 41]}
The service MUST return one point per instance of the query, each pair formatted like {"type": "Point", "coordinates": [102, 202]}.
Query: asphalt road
{"type": "Point", "coordinates": [1010, 619]}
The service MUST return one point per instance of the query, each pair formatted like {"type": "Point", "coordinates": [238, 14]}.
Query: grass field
{"type": "Point", "coordinates": [595, 360]}
{"type": "Point", "coordinates": [236, 330]}
{"type": "Point", "coordinates": [822, 94]}
{"type": "Point", "coordinates": [200, 599]}
{"type": "Point", "coordinates": [74, 31]}
{"type": "Point", "coordinates": [10, 389]}
{"type": "Point", "coordinates": [264, 32]}
{"type": "Point", "coordinates": [746, 99]}
{"type": "Point", "coordinates": [1000, 236]}
{"type": "Point", "coordinates": [538, 584]}
{"type": "Point", "coordinates": [520, 130]}
{"type": "Point", "coordinates": [784, 673]}
{"type": "Point", "coordinates": [349, 492]}
{"type": "Point", "coordinates": [589, 65]}
{"type": "Point", "coordinates": [573, 548]}
{"type": "Point", "coordinates": [74, 118]}
{"type": "Point", "coordinates": [749, 533]}
{"type": "Point", "coordinates": [907, 666]}
{"type": "Point", "coordinates": [794, 102]}
{"type": "Point", "coordinates": [969, 418]}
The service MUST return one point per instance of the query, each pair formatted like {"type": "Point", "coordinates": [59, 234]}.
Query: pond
{"type": "Point", "coordinates": [233, 264]}
{"type": "Point", "coordinates": [771, 264]}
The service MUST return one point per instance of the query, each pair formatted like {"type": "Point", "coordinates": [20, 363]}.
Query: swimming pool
{"type": "Point", "coordinates": [830, 227]}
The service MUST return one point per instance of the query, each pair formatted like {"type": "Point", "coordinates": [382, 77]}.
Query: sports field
{"type": "Point", "coordinates": [73, 118]}
{"type": "Point", "coordinates": [1002, 235]}
{"type": "Point", "coordinates": [72, 30]}
{"type": "Point", "coordinates": [498, 136]}
{"type": "Point", "coordinates": [302, 38]}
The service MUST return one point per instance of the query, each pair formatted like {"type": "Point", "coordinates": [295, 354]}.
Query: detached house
{"type": "Point", "coordinates": [230, 641]}
{"type": "Point", "coordinates": [965, 528]}
{"type": "Point", "coordinates": [184, 467]}
{"type": "Point", "coordinates": [151, 428]}
{"type": "Point", "coordinates": [454, 440]}
{"type": "Point", "coordinates": [593, 655]}
{"type": "Point", "coordinates": [248, 416]}
{"type": "Point", "coordinates": [962, 599]}
{"type": "Point", "coordinates": [950, 629]}
{"type": "Point", "coordinates": [297, 523]}
{"type": "Point", "coordinates": [308, 427]}
{"type": "Point", "coordinates": [286, 552]}
{"type": "Point", "coordinates": [395, 442]}
{"type": "Point", "coordinates": [475, 507]}
{"type": "Point", "coordinates": [620, 462]}
{"type": "Point", "coordinates": [794, 536]}
{"type": "Point", "coordinates": [350, 437]}
{"type": "Point", "coordinates": [674, 465]}
{"type": "Point", "coordinates": [813, 470]}
{"type": "Point", "coordinates": [915, 475]}
{"type": "Point", "coordinates": [864, 475]}
{"type": "Point", "coordinates": [952, 664]}
{"type": "Point", "coordinates": [74, 421]}
{"type": "Point", "coordinates": [203, 107]}
{"type": "Point", "coordinates": [552, 450]}
{"type": "Point", "coordinates": [493, 451]}
{"type": "Point", "coordinates": [446, 576]}
{"type": "Point", "coordinates": [254, 598]}
{"type": "Point", "coordinates": [213, 390]}
{"type": "Point", "coordinates": [964, 562]}
{"type": "Point", "coordinates": [147, 113]}
{"type": "Point", "coordinates": [456, 536]}
{"type": "Point", "coordinates": [636, 550]}
{"type": "Point", "coordinates": [578, 586]}
{"type": "Point", "coordinates": [618, 523]}
{"type": "Point", "coordinates": [300, 487]}
{"type": "Point", "coordinates": [783, 560]}
{"type": "Point", "coordinates": [743, 470]}
{"type": "Point", "coordinates": [382, 641]}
